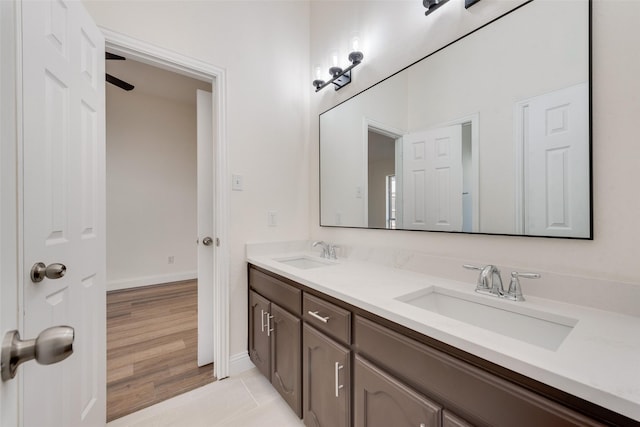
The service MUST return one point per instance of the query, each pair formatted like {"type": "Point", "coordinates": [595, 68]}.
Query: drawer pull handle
{"type": "Point", "coordinates": [338, 366]}
{"type": "Point", "coordinates": [317, 316]}
{"type": "Point", "coordinates": [262, 320]}
{"type": "Point", "coordinates": [269, 329]}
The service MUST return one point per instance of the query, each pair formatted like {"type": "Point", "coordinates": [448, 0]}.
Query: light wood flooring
{"type": "Point", "coordinates": [152, 346]}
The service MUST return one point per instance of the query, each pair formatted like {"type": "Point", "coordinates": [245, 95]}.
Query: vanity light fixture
{"type": "Point", "coordinates": [432, 5]}
{"type": "Point", "coordinates": [339, 77]}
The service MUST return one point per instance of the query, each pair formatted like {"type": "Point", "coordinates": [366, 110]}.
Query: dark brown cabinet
{"type": "Point", "coordinates": [452, 420]}
{"type": "Point", "coordinates": [274, 347]}
{"type": "Point", "coordinates": [485, 399]}
{"type": "Point", "coordinates": [285, 356]}
{"type": "Point", "coordinates": [327, 378]}
{"type": "Point", "coordinates": [382, 401]}
{"type": "Point", "coordinates": [305, 341]}
{"type": "Point", "coordinates": [259, 341]}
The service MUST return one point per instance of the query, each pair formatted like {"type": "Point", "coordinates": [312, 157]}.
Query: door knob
{"type": "Point", "coordinates": [52, 346]}
{"type": "Point", "coordinates": [207, 241]}
{"type": "Point", "coordinates": [52, 271]}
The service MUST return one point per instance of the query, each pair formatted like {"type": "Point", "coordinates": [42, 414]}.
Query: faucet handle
{"type": "Point", "coordinates": [515, 290]}
{"type": "Point", "coordinates": [332, 251]}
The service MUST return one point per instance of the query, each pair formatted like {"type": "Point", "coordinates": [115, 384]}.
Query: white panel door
{"type": "Point", "coordinates": [556, 150]}
{"type": "Point", "coordinates": [64, 209]}
{"type": "Point", "coordinates": [205, 226]}
{"type": "Point", "coordinates": [414, 181]}
{"type": "Point", "coordinates": [432, 179]}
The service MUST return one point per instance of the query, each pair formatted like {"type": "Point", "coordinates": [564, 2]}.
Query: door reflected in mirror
{"type": "Point", "coordinates": [489, 135]}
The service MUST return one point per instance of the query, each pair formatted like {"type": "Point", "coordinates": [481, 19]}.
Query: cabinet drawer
{"type": "Point", "coordinates": [275, 290]}
{"type": "Point", "coordinates": [466, 390]}
{"type": "Point", "coordinates": [327, 317]}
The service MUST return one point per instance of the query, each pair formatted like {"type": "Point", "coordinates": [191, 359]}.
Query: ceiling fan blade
{"type": "Point", "coordinates": [120, 83]}
{"type": "Point", "coordinates": [108, 55]}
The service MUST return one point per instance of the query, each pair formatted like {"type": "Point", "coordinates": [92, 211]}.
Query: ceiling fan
{"type": "Point", "coordinates": [114, 80]}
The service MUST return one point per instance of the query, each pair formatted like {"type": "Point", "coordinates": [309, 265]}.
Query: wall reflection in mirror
{"type": "Point", "coordinates": [489, 135]}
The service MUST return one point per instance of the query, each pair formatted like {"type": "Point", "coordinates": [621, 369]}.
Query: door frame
{"type": "Point", "coordinates": [158, 57]}
{"type": "Point", "coordinates": [10, 204]}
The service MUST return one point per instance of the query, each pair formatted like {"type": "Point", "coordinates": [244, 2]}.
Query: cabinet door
{"type": "Point", "coordinates": [285, 357]}
{"type": "Point", "coordinates": [259, 341]}
{"type": "Point", "coordinates": [326, 370]}
{"type": "Point", "coordinates": [382, 401]}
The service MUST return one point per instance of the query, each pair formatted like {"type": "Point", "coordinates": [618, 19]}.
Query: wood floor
{"type": "Point", "coordinates": [152, 346]}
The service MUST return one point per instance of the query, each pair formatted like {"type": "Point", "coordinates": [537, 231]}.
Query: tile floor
{"type": "Point", "coordinates": [244, 400]}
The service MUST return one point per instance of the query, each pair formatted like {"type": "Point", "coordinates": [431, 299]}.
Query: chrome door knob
{"type": "Point", "coordinates": [52, 346]}
{"type": "Point", "coordinates": [207, 241]}
{"type": "Point", "coordinates": [52, 271]}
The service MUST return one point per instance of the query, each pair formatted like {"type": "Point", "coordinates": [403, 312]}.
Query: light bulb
{"type": "Point", "coordinates": [355, 44]}
{"type": "Point", "coordinates": [318, 71]}
{"type": "Point", "coordinates": [334, 59]}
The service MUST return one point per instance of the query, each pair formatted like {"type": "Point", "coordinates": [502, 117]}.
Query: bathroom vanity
{"type": "Point", "coordinates": [341, 353]}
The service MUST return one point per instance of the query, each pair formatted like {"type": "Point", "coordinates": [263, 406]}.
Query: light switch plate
{"type": "Point", "coordinates": [236, 182]}
{"type": "Point", "coordinates": [272, 218]}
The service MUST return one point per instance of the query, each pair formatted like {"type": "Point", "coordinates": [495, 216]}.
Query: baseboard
{"type": "Point", "coordinates": [239, 363]}
{"type": "Point", "coordinates": [116, 285]}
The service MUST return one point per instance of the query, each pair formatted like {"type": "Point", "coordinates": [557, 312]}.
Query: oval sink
{"type": "Point", "coordinates": [533, 326]}
{"type": "Point", "coordinates": [304, 262]}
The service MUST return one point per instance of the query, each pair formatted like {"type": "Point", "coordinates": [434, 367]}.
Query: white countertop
{"type": "Point", "coordinates": [598, 361]}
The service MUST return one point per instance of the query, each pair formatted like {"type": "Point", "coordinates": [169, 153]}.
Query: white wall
{"type": "Point", "coordinates": [613, 254]}
{"type": "Point", "coordinates": [264, 48]}
{"type": "Point", "coordinates": [151, 189]}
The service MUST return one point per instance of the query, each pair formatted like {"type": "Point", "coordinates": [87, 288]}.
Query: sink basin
{"type": "Point", "coordinates": [304, 262]}
{"type": "Point", "coordinates": [547, 330]}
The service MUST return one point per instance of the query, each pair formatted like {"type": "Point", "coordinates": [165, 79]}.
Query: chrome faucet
{"type": "Point", "coordinates": [490, 282]}
{"type": "Point", "coordinates": [328, 250]}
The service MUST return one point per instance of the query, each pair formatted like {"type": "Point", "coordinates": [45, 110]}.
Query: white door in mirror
{"type": "Point", "coordinates": [557, 142]}
{"type": "Point", "coordinates": [432, 179]}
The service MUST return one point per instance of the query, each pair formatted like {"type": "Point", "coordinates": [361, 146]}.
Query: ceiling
{"type": "Point", "coordinates": [155, 81]}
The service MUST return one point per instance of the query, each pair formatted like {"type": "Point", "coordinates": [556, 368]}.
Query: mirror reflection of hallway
{"type": "Point", "coordinates": [381, 159]}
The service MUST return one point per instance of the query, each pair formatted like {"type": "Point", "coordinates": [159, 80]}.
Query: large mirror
{"type": "Point", "coordinates": [488, 135]}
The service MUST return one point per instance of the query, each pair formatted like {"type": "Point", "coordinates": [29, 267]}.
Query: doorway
{"type": "Point", "coordinates": [381, 179]}
{"type": "Point", "coordinates": [154, 123]}
{"type": "Point", "coordinates": [168, 60]}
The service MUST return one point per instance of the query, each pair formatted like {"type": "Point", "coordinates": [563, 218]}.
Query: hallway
{"type": "Point", "coordinates": [152, 346]}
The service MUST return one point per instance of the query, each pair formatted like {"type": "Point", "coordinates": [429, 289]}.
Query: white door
{"type": "Point", "coordinates": [557, 163]}
{"type": "Point", "coordinates": [432, 179]}
{"type": "Point", "coordinates": [205, 226]}
{"type": "Point", "coordinates": [63, 209]}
